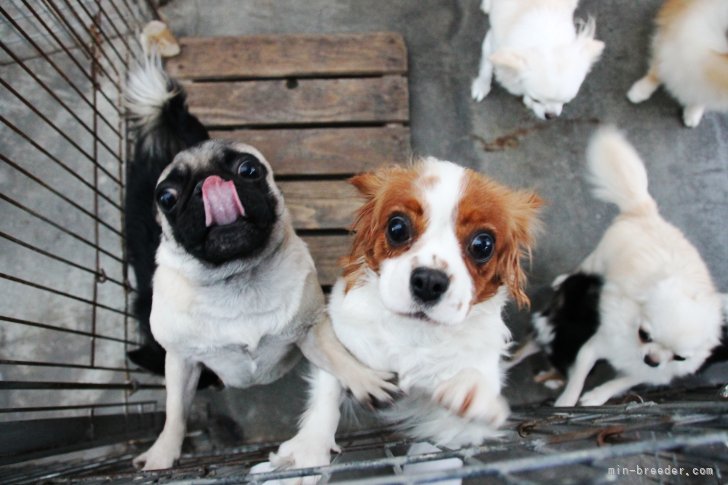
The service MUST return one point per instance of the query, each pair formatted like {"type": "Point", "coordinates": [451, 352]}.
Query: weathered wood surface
{"type": "Point", "coordinates": [326, 151]}
{"type": "Point", "coordinates": [311, 101]}
{"type": "Point", "coordinates": [304, 55]}
{"type": "Point", "coordinates": [321, 204]}
{"type": "Point", "coordinates": [319, 107]}
{"type": "Point", "coordinates": [326, 252]}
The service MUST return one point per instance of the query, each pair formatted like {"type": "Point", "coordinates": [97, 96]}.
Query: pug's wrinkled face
{"type": "Point", "coordinates": [219, 201]}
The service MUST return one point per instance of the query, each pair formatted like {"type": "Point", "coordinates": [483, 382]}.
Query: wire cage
{"type": "Point", "coordinates": [71, 407]}
{"type": "Point", "coordinates": [65, 323]}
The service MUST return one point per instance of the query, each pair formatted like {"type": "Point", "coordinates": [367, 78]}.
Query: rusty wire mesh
{"type": "Point", "coordinates": [685, 436]}
{"type": "Point", "coordinates": [64, 311]}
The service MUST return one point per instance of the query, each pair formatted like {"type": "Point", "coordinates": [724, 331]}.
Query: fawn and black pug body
{"type": "Point", "coordinates": [235, 290]}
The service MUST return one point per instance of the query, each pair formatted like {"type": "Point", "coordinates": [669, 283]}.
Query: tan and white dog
{"type": "Point", "coordinates": [689, 57]}
{"type": "Point", "coordinates": [535, 51]}
{"type": "Point", "coordinates": [436, 254]}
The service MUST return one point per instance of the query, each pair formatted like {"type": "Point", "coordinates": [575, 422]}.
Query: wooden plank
{"type": "Point", "coordinates": [330, 151]}
{"type": "Point", "coordinates": [321, 204]}
{"type": "Point", "coordinates": [308, 55]}
{"type": "Point", "coordinates": [312, 101]}
{"type": "Point", "coordinates": [326, 251]}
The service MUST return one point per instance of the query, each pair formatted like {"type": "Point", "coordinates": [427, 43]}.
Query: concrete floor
{"type": "Point", "coordinates": [688, 169]}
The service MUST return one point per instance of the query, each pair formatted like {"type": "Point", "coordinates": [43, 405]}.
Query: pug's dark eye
{"type": "Point", "coordinates": [679, 358]}
{"type": "Point", "coordinates": [644, 336]}
{"type": "Point", "coordinates": [248, 169]}
{"type": "Point", "coordinates": [167, 199]}
{"type": "Point", "coordinates": [399, 230]}
{"type": "Point", "coordinates": [481, 247]}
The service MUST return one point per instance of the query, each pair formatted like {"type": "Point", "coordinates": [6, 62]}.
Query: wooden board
{"type": "Point", "coordinates": [311, 101]}
{"type": "Point", "coordinates": [319, 107]}
{"type": "Point", "coordinates": [321, 204]}
{"type": "Point", "coordinates": [326, 151]}
{"type": "Point", "coordinates": [305, 55]}
{"type": "Point", "coordinates": [326, 251]}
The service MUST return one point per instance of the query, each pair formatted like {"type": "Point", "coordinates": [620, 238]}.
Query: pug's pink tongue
{"type": "Point", "coordinates": [221, 201]}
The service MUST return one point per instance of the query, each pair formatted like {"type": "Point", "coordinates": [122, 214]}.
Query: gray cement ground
{"type": "Point", "coordinates": [688, 169]}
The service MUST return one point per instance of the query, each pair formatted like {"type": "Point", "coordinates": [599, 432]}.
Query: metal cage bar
{"type": "Point", "coordinates": [64, 277]}
{"type": "Point", "coordinates": [540, 444]}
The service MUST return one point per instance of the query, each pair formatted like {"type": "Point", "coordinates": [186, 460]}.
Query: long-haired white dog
{"type": "Point", "coordinates": [537, 52]}
{"type": "Point", "coordinates": [690, 57]}
{"type": "Point", "coordinates": [643, 300]}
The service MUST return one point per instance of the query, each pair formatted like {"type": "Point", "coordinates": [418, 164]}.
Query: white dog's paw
{"type": "Point", "coordinates": [159, 457]}
{"type": "Point", "coordinates": [641, 90]}
{"type": "Point", "coordinates": [566, 400]}
{"type": "Point", "coordinates": [692, 116]}
{"type": "Point", "coordinates": [371, 386]}
{"type": "Point", "coordinates": [554, 384]}
{"type": "Point", "coordinates": [593, 398]}
{"type": "Point", "coordinates": [469, 396]}
{"type": "Point", "coordinates": [267, 467]}
{"type": "Point", "coordinates": [480, 88]}
{"type": "Point", "coordinates": [485, 6]}
{"type": "Point", "coordinates": [551, 379]}
{"type": "Point", "coordinates": [303, 452]}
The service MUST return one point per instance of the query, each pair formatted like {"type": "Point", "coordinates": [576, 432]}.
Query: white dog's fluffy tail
{"type": "Point", "coordinates": [617, 173]}
{"type": "Point", "coordinates": [149, 90]}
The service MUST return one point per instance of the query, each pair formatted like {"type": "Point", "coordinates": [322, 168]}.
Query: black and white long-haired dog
{"type": "Point", "coordinates": [643, 300]}
{"type": "Point", "coordinates": [225, 284]}
{"type": "Point", "coordinates": [163, 127]}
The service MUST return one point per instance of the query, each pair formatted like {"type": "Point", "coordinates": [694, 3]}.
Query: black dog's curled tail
{"type": "Point", "coordinates": [162, 127]}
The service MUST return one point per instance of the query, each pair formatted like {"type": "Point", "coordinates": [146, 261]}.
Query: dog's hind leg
{"type": "Point", "coordinates": [526, 350]}
{"type": "Point", "coordinates": [312, 445]}
{"type": "Point", "coordinates": [481, 84]}
{"type": "Point", "coordinates": [692, 115]}
{"type": "Point", "coordinates": [181, 377]}
{"type": "Point", "coordinates": [585, 360]}
{"type": "Point", "coordinates": [644, 87]}
{"type": "Point", "coordinates": [601, 394]}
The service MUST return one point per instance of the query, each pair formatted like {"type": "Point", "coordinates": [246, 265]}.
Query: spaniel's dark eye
{"type": "Point", "coordinates": [167, 199]}
{"type": "Point", "coordinates": [481, 247]}
{"type": "Point", "coordinates": [249, 169]}
{"type": "Point", "coordinates": [399, 230]}
{"type": "Point", "coordinates": [644, 336]}
{"type": "Point", "coordinates": [679, 358]}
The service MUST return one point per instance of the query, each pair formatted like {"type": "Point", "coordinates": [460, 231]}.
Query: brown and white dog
{"type": "Point", "coordinates": [436, 254]}
{"type": "Point", "coordinates": [690, 57]}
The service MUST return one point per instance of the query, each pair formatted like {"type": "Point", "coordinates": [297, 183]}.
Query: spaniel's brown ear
{"type": "Point", "coordinates": [515, 278]}
{"type": "Point", "coordinates": [524, 208]}
{"type": "Point", "coordinates": [367, 183]}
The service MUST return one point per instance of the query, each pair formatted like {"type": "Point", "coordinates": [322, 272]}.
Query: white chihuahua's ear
{"type": "Point", "coordinates": [508, 59]}
{"type": "Point", "coordinates": [593, 49]}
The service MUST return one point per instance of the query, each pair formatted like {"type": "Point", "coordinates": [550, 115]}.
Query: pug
{"type": "Point", "coordinates": [235, 290]}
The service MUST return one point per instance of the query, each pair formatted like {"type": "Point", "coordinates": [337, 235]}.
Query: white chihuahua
{"type": "Point", "coordinates": [537, 52]}
{"type": "Point", "coordinates": [690, 57]}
